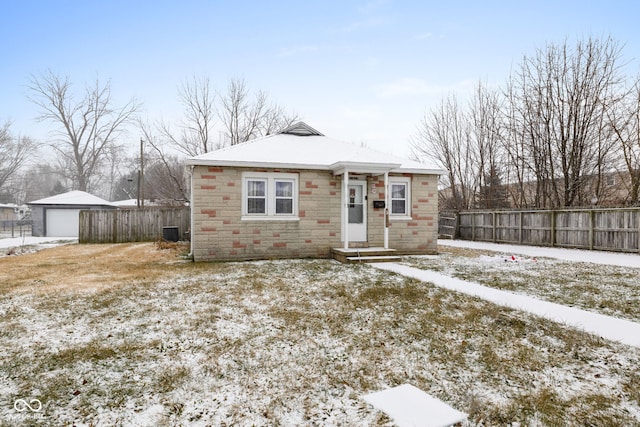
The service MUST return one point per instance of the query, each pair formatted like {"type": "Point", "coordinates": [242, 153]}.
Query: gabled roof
{"type": "Point", "coordinates": [79, 198]}
{"type": "Point", "coordinates": [302, 147]}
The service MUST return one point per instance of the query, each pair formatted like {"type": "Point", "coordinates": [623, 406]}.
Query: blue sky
{"type": "Point", "coordinates": [359, 71]}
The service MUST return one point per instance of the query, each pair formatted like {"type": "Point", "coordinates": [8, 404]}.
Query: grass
{"type": "Point", "coordinates": [608, 290]}
{"type": "Point", "coordinates": [284, 343]}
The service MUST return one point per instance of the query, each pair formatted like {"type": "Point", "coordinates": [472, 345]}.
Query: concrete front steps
{"type": "Point", "coordinates": [358, 255]}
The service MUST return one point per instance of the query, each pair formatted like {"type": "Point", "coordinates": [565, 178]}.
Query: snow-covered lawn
{"type": "Point", "coordinates": [594, 257]}
{"type": "Point", "coordinates": [127, 335]}
{"type": "Point", "coordinates": [610, 287]}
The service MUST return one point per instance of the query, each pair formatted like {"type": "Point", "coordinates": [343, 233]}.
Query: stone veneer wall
{"type": "Point", "coordinates": [418, 235]}
{"type": "Point", "coordinates": [218, 233]}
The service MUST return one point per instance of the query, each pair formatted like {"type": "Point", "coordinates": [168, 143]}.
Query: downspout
{"type": "Point", "coordinates": [345, 209]}
{"type": "Point", "coordinates": [386, 210]}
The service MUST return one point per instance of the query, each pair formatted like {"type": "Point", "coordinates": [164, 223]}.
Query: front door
{"type": "Point", "coordinates": [357, 211]}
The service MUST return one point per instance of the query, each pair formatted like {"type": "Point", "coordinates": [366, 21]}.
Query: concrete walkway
{"type": "Point", "coordinates": [607, 327]}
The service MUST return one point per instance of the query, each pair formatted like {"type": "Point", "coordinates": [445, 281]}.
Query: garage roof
{"type": "Point", "coordinates": [73, 198]}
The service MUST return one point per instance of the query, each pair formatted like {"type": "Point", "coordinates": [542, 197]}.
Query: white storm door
{"type": "Point", "coordinates": [357, 211]}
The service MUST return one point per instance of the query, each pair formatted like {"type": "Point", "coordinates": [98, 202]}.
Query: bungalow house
{"type": "Point", "coordinates": [299, 193]}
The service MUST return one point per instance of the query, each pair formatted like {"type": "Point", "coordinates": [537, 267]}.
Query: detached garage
{"type": "Point", "coordinates": [58, 216]}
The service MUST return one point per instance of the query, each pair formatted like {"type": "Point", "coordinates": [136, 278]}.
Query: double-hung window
{"type": "Point", "coordinates": [284, 196]}
{"type": "Point", "coordinates": [269, 196]}
{"type": "Point", "coordinates": [400, 197]}
{"type": "Point", "coordinates": [256, 196]}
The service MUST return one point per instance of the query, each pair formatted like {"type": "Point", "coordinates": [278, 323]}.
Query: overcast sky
{"type": "Point", "coordinates": [359, 71]}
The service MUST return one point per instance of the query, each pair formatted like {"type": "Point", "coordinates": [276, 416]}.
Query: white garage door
{"type": "Point", "coordinates": [63, 222]}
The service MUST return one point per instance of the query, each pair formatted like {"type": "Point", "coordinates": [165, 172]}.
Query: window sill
{"type": "Point", "coordinates": [400, 218]}
{"type": "Point", "coordinates": [269, 218]}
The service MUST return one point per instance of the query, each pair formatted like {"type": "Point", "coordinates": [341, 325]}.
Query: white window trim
{"type": "Point", "coordinates": [247, 197]}
{"type": "Point", "coordinates": [407, 215]}
{"type": "Point", "coordinates": [276, 198]}
{"type": "Point", "coordinates": [270, 178]}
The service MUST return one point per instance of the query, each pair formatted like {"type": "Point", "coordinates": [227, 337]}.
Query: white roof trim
{"type": "Point", "coordinates": [338, 168]}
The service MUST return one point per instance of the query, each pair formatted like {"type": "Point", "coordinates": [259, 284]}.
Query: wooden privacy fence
{"type": "Point", "coordinates": [600, 229]}
{"type": "Point", "coordinates": [447, 225]}
{"type": "Point", "coordinates": [131, 225]}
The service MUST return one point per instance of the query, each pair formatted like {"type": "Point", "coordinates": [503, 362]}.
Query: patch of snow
{"type": "Point", "coordinates": [150, 416]}
{"type": "Point", "coordinates": [605, 326]}
{"type": "Point", "coordinates": [15, 242]}
{"type": "Point", "coordinates": [507, 258]}
{"type": "Point", "coordinates": [577, 255]}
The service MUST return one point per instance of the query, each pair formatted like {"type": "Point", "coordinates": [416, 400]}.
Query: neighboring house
{"type": "Point", "coordinates": [59, 216]}
{"type": "Point", "coordinates": [9, 212]}
{"type": "Point", "coordinates": [301, 194]}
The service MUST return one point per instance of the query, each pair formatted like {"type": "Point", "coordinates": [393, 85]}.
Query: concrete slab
{"type": "Point", "coordinates": [409, 406]}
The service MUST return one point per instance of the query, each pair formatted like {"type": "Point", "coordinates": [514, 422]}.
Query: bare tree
{"type": "Point", "coordinates": [87, 127]}
{"type": "Point", "coordinates": [624, 120]}
{"type": "Point", "coordinates": [562, 96]}
{"type": "Point", "coordinates": [486, 133]}
{"type": "Point", "coordinates": [443, 136]}
{"type": "Point", "coordinates": [516, 149]}
{"type": "Point", "coordinates": [14, 153]}
{"type": "Point", "coordinates": [173, 184]}
{"type": "Point", "coordinates": [245, 117]}
{"type": "Point", "coordinates": [239, 118]}
{"type": "Point", "coordinates": [197, 126]}
{"type": "Point", "coordinates": [165, 181]}
{"type": "Point", "coordinates": [467, 142]}
{"type": "Point", "coordinates": [527, 141]}
{"type": "Point", "coordinates": [38, 181]}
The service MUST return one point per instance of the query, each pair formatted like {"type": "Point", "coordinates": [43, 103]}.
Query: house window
{"type": "Point", "coordinates": [256, 196]}
{"type": "Point", "coordinates": [269, 196]}
{"type": "Point", "coordinates": [400, 197]}
{"type": "Point", "coordinates": [284, 197]}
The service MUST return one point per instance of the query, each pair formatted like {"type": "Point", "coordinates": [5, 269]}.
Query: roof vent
{"type": "Point", "coordinates": [300, 129]}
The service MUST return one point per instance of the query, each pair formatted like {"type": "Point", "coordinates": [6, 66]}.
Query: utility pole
{"type": "Point", "coordinates": [141, 175]}
{"type": "Point", "coordinates": [138, 191]}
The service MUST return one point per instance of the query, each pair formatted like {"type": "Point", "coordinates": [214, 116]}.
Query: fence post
{"type": "Point", "coordinates": [591, 229]}
{"type": "Point", "coordinates": [473, 227]}
{"type": "Point", "coordinates": [456, 225]}
{"type": "Point", "coordinates": [554, 218]}
{"type": "Point", "coordinates": [115, 228]}
{"type": "Point", "coordinates": [494, 226]}
{"type": "Point", "coordinates": [520, 228]}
